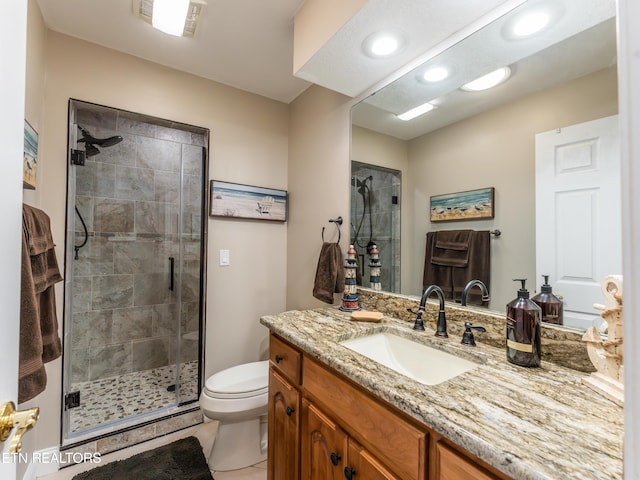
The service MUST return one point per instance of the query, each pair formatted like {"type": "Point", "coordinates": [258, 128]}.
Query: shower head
{"type": "Point", "coordinates": [90, 150]}
{"type": "Point", "coordinates": [91, 142]}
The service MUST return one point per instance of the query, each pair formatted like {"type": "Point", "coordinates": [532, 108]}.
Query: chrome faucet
{"type": "Point", "coordinates": [441, 326]}
{"type": "Point", "coordinates": [469, 286]}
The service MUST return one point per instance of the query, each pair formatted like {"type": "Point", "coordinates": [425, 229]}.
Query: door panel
{"type": "Point", "coordinates": [578, 220]}
{"type": "Point", "coordinates": [365, 466]}
{"type": "Point", "coordinates": [324, 446]}
{"type": "Point", "coordinates": [284, 436]}
{"type": "Point", "coordinates": [13, 39]}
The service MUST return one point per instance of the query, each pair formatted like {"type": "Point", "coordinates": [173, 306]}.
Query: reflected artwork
{"type": "Point", "coordinates": [469, 205]}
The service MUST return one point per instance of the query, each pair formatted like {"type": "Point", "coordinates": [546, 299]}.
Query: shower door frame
{"type": "Point", "coordinates": [72, 439]}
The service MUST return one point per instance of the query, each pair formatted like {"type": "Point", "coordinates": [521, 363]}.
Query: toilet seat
{"type": "Point", "coordinates": [241, 381]}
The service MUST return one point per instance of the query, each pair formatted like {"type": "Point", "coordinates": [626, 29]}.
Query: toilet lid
{"type": "Point", "coordinates": [244, 380]}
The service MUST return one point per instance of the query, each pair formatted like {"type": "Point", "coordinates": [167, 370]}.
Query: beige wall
{"type": "Point", "coordinates": [248, 144]}
{"type": "Point", "coordinates": [318, 184]}
{"type": "Point", "coordinates": [34, 86]}
{"type": "Point", "coordinates": [496, 149]}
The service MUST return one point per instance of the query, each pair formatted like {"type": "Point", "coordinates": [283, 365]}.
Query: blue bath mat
{"type": "Point", "coordinates": [180, 460]}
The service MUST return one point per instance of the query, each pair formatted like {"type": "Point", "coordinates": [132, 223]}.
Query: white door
{"type": "Point", "coordinates": [13, 25]}
{"type": "Point", "coordinates": [578, 216]}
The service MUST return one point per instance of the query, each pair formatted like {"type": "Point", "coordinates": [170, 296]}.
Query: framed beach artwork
{"type": "Point", "coordinates": [30, 157]}
{"type": "Point", "coordinates": [246, 201]}
{"type": "Point", "coordinates": [469, 205]}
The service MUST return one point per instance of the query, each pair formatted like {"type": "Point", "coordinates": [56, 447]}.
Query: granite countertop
{"type": "Point", "coordinates": [538, 423]}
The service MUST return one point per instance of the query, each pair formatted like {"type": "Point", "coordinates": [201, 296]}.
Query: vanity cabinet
{"type": "Point", "coordinates": [323, 426]}
{"type": "Point", "coordinates": [328, 453]}
{"type": "Point", "coordinates": [450, 464]}
{"type": "Point", "coordinates": [388, 437]}
{"type": "Point", "coordinates": [283, 412]}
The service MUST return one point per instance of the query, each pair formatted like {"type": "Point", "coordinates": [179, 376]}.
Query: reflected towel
{"type": "Point", "coordinates": [451, 248]}
{"type": "Point", "coordinates": [329, 273]}
{"type": "Point", "coordinates": [455, 267]}
{"type": "Point", "coordinates": [39, 338]}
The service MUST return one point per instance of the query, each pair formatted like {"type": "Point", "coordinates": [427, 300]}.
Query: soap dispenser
{"type": "Point", "coordinates": [523, 329]}
{"type": "Point", "coordinates": [550, 304]}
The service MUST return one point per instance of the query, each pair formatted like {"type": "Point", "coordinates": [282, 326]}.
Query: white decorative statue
{"type": "Point", "coordinates": [606, 354]}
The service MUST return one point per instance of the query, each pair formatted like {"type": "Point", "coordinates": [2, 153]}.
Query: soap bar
{"type": "Point", "coordinates": [363, 316]}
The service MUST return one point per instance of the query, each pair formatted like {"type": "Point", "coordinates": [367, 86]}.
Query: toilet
{"type": "Point", "coordinates": [237, 397]}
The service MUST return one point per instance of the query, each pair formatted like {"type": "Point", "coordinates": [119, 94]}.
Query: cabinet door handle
{"type": "Point", "coordinates": [335, 458]}
{"type": "Point", "coordinates": [279, 358]}
{"type": "Point", "coordinates": [349, 473]}
{"type": "Point", "coordinates": [290, 411]}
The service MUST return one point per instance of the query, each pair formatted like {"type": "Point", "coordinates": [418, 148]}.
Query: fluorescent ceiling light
{"type": "Point", "coordinates": [531, 23]}
{"type": "Point", "coordinates": [416, 112]}
{"type": "Point", "coordinates": [169, 16]}
{"type": "Point", "coordinates": [144, 9]}
{"type": "Point", "coordinates": [489, 80]}
{"type": "Point", "coordinates": [435, 74]}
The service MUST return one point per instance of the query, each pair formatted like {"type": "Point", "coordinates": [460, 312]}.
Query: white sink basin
{"type": "Point", "coordinates": [424, 364]}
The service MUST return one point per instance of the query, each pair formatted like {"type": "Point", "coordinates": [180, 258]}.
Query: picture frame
{"type": "Point", "coordinates": [468, 205]}
{"type": "Point", "coordinates": [235, 200]}
{"type": "Point", "coordinates": [30, 157]}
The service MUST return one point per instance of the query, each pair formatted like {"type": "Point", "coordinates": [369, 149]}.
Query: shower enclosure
{"type": "Point", "coordinates": [375, 219]}
{"type": "Point", "coordinates": [134, 282]}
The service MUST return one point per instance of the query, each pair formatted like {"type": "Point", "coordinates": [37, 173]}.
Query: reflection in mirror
{"type": "Point", "coordinates": [375, 221]}
{"type": "Point", "coordinates": [562, 76]}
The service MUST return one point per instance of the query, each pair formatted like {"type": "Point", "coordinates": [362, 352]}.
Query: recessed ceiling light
{"type": "Point", "coordinates": [531, 23]}
{"type": "Point", "coordinates": [487, 81]}
{"type": "Point", "coordinates": [381, 45]}
{"type": "Point", "coordinates": [435, 74]}
{"type": "Point", "coordinates": [416, 112]}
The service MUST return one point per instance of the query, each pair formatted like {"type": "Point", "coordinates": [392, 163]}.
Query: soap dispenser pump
{"type": "Point", "coordinates": [523, 329]}
{"type": "Point", "coordinates": [550, 304]}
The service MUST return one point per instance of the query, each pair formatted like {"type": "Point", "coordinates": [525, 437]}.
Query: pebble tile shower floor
{"type": "Point", "coordinates": [117, 398]}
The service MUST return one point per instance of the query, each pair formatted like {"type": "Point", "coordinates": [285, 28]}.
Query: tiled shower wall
{"type": "Point", "coordinates": [385, 217]}
{"type": "Point", "coordinates": [124, 317]}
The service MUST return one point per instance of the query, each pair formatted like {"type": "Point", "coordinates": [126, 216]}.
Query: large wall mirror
{"type": "Point", "coordinates": [560, 77]}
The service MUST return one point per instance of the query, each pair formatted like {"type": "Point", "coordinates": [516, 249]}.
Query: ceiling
{"type": "Point", "coordinates": [248, 44]}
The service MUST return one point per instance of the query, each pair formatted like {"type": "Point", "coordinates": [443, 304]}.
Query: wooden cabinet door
{"type": "Point", "coordinates": [450, 465]}
{"type": "Point", "coordinates": [284, 432]}
{"type": "Point", "coordinates": [365, 466]}
{"type": "Point", "coordinates": [324, 446]}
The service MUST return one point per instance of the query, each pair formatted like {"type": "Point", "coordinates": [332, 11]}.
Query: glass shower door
{"type": "Point", "coordinates": [133, 301]}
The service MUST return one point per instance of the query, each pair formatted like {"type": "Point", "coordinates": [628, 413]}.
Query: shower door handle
{"type": "Point", "coordinates": [171, 270]}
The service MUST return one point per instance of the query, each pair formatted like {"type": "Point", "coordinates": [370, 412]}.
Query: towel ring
{"type": "Point", "coordinates": [338, 222]}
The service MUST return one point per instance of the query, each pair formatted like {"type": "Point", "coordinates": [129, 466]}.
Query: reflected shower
{"type": "Point", "coordinates": [365, 191]}
{"type": "Point", "coordinates": [92, 143]}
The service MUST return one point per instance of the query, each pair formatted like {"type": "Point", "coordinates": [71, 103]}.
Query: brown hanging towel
{"type": "Point", "coordinates": [39, 338]}
{"type": "Point", "coordinates": [329, 273]}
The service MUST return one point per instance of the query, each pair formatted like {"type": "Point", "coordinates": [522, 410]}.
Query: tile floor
{"type": "Point", "coordinates": [204, 432]}
{"type": "Point", "coordinates": [115, 398]}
